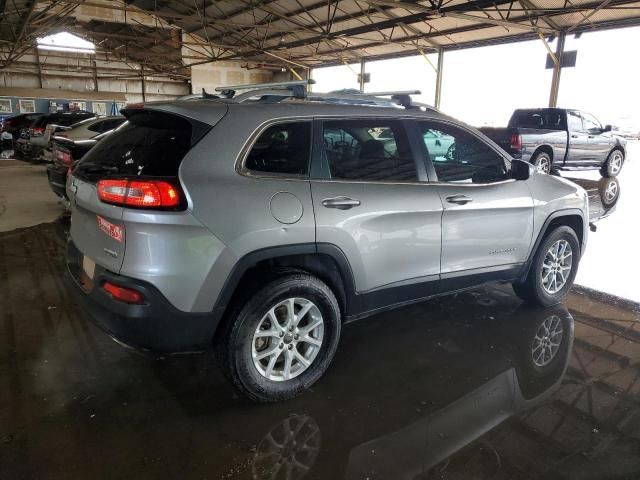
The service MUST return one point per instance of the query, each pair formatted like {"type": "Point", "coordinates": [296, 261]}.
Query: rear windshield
{"type": "Point", "coordinates": [152, 144]}
{"type": "Point", "coordinates": [543, 119]}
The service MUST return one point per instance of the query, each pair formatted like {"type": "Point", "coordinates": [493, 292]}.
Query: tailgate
{"type": "Point", "coordinates": [96, 227]}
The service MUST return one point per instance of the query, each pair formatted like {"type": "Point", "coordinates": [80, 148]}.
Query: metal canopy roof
{"type": "Point", "coordinates": [305, 33]}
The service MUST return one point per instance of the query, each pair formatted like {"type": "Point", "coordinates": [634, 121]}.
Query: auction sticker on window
{"type": "Point", "coordinates": [114, 231]}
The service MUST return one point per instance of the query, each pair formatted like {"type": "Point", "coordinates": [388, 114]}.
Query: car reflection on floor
{"type": "Point", "coordinates": [472, 384]}
{"type": "Point", "coordinates": [603, 196]}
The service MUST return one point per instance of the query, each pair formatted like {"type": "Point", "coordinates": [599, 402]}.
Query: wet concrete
{"type": "Point", "coordinates": [25, 196]}
{"type": "Point", "coordinates": [444, 389]}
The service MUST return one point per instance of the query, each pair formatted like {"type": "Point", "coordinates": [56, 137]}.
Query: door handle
{"type": "Point", "coordinates": [341, 203]}
{"type": "Point", "coordinates": [590, 136]}
{"type": "Point", "coordinates": [574, 136]}
{"type": "Point", "coordinates": [459, 199]}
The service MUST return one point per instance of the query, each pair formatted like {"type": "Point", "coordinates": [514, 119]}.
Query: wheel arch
{"type": "Point", "coordinates": [325, 261]}
{"type": "Point", "coordinates": [542, 148]}
{"type": "Point", "coordinates": [572, 218]}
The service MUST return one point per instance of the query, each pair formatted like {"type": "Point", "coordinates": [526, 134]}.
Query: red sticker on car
{"type": "Point", "coordinates": [114, 231]}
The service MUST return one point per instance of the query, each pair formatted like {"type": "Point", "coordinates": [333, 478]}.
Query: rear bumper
{"type": "Point", "coordinates": [156, 326]}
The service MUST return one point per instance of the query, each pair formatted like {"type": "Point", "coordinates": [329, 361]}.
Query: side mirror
{"type": "Point", "coordinates": [520, 170]}
{"type": "Point", "coordinates": [607, 128]}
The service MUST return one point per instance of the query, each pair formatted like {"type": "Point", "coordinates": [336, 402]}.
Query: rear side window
{"type": "Point", "coordinates": [151, 144]}
{"type": "Point", "coordinates": [368, 150]}
{"type": "Point", "coordinates": [542, 119]}
{"type": "Point", "coordinates": [282, 149]}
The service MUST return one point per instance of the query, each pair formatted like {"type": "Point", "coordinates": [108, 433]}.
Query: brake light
{"type": "Point", "coordinates": [135, 193]}
{"type": "Point", "coordinates": [37, 131]}
{"type": "Point", "coordinates": [516, 142]}
{"type": "Point", "coordinates": [124, 294]}
{"type": "Point", "coordinates": [64, 157]}
{"type": "Point", "coordinates": [134, 105]}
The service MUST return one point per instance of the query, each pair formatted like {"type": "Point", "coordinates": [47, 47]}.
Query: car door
{"type": "Point", "coordinates": [487, 222]}
{"type": "Point", "coordinates": [600, 142]}
{"type": "Point", "coordinates": [368, 203]}
{"type": "Point", "coordinates": [579, 154]}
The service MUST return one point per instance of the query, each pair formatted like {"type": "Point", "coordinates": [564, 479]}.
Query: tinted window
{"type": "Point", "coordinates": [574, 121]}
{"type": "Point", "coordinates": [105, 125]}
{"type": "Point", "coordinates": [371, 150]}
{"type": "Point", "coordinates": [542, 119]}
{"type": "Point", "coordinates": [151, 144]}
{"type": "Point", "coordinates": [283, 148]}
{"type": "Point", "coordinates": [460, 157]}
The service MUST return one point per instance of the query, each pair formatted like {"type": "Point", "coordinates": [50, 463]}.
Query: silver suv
{"type": "Point", "coordinates": [260, 223]}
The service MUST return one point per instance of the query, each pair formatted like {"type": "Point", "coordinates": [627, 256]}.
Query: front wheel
{"type": "Point", "coordinates": [613, 165]}
{"type": "Point", "coordinates": [552, 270]}
{"type": "Point", "coordinates": [282, 340]}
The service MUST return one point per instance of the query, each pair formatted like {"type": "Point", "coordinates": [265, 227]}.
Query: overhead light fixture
{"type": "Point", "coordinates": [577, 35]}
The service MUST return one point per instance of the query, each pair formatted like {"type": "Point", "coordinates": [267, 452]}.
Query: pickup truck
{"type": "Point", "coordinates": [555, 139]}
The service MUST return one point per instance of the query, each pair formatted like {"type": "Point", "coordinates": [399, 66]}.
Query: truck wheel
{"type": "Point", "coordinates": [613, 165]}
{"type": "Point", "coordinates": [542, 162]}
{"type": "Point", "coordinates": [282, 339]}
{"type": "Point", "coordinates": [552, 270]}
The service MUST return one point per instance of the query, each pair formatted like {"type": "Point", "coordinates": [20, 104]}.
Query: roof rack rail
{"type": "Point", "coordinates": [390, 93]}
{"type": "Point", "coordinates": [297, 87]}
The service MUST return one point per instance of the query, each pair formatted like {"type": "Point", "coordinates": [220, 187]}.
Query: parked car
{"type": "Point", "coordinates": [71, 143]}
{"type": "Point", "coordinates": [561, 139]}
{"type": "Point", "coordinates": [246, 229]}
{"type": "Point", "coordinates": [11, 126]}
{"type": "Point", "coordinates": [35, 137]}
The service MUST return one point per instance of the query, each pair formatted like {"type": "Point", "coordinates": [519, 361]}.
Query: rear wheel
{"type": "Point", "coordinates": [613, 165]}
{"type": "Point", "coordinates": [553, 269]}
{"type": "Point", "coordinates": [282, 340]}
{"type": "Point", "coordinates": [542, 162]}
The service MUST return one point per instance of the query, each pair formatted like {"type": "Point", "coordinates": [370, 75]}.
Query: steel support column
{"type": "Point", "coordinates": [557, 70]}
{"type": "Point", "coordinates": [438, 96]}
{"type": "Point", "coordinates": [362, 72]}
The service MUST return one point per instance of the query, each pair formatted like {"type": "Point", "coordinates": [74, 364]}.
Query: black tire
{"type": "Point", "coordinates": [532, 290]}
{"type": "Point", "coordinates": [543, 162]}
{"type": "Point", "coordinates": [608, 168]}
{"type": "Point", "coordinates": [233, 346]}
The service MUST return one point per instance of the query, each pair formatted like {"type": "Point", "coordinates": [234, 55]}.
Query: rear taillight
{"type": "Point", "coordinates": [64, 157]}
{"type": "Point", "coordinates": [124, 294]}
{"type": "Point", "coordinates": [516, 142]}
{"type": "Point", "coordinates": [157, 194]}
{"type": "Point", "coordinates": [37, 131]}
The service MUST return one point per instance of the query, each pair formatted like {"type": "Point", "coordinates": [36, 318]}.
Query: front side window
{"type": "Point", "coordinates": [590, 122]}
{"type": "Point", "coordinates": [460, 157]}
{"type": "Point", "coordinates": [368, 150]}
{"type": "Point", "coordinates": [282, 149]}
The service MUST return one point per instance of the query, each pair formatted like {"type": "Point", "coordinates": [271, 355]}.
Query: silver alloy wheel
{"type": "Point", "coordinates": [615, 162]}
{"type": "Point", "coordinates": [547, 341]}
{"type": "Point", "coordinates": [556, 266]}
{"type": "Point", "coordinates": [287, 339]}
{"type": "Point", "coordinates": [611, 192]}
{"type": "Point", "coordinates": [543, 164]}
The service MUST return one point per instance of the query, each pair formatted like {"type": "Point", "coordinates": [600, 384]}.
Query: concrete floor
{"type": "Point", "coordinates": [25, 196]}
{"type": "Point", "coordinates": [443, 389]}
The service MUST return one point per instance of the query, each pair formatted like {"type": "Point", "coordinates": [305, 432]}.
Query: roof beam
{"type": "Point", "coordinates": [453, 31]}
{"type": "Point", "coordinates": [503, 23]}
